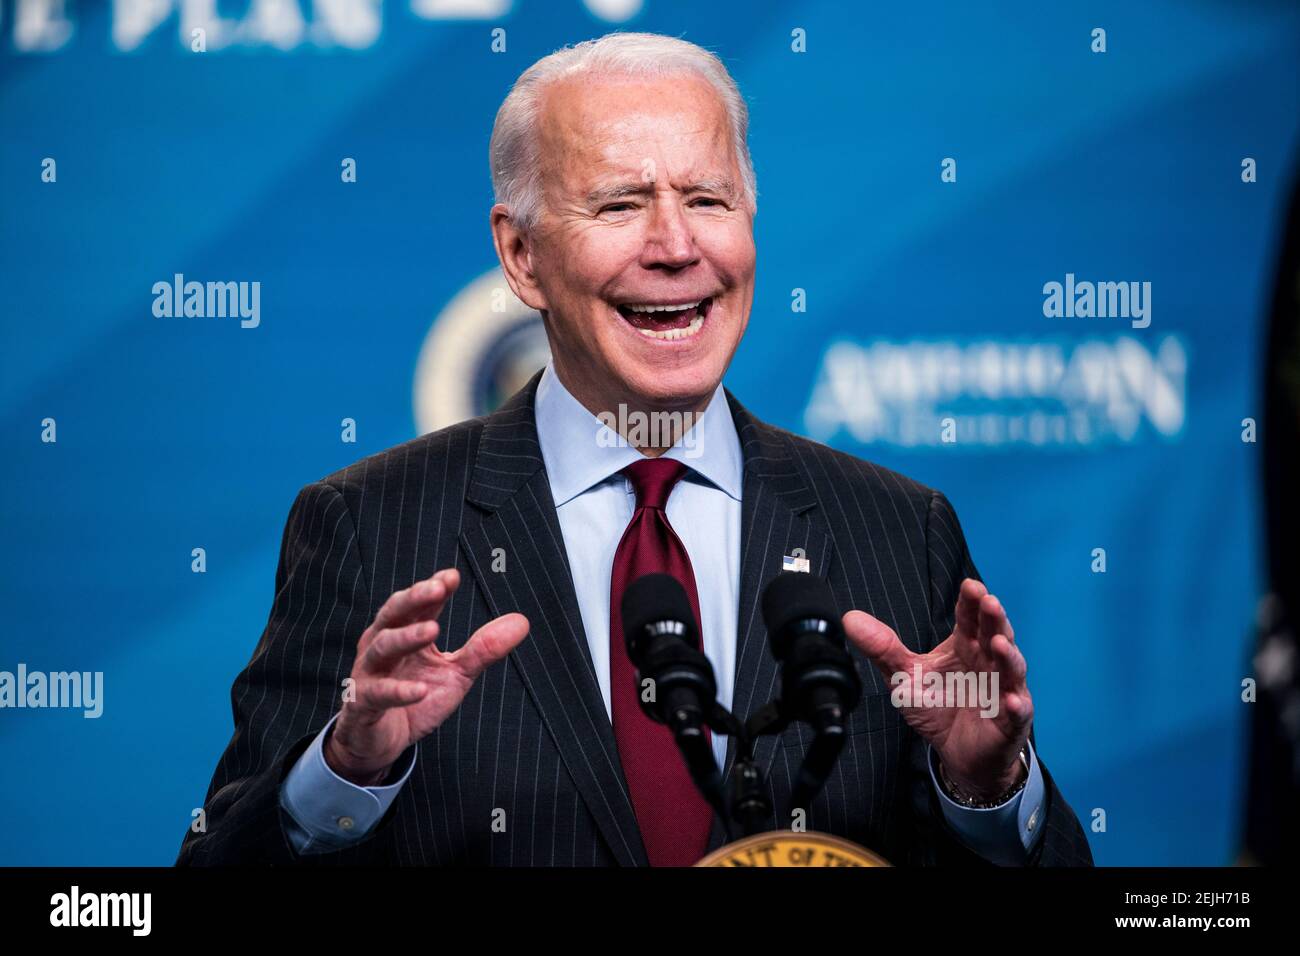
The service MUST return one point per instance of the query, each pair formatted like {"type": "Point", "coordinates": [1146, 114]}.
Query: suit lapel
{"type": "Point", "coordinates": [510, 486]}
{"type": "Point", "coordinates": [775, 501]}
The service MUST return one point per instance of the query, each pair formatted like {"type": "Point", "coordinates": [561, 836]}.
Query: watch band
{"type": "Point", "coordinates": [956, 794]}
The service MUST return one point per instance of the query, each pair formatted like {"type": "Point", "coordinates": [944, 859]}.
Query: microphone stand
{"type": "Point", "coordinates": [746, 805]}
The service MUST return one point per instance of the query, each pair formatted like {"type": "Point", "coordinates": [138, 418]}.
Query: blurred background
{"type": "Point", "coordinates": [923, 176]}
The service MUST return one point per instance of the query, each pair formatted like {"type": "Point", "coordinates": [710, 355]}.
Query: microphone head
{"type": "Point", "coordinates": [794, 596]}
{"type": "Point", "coordinates": [655, 599]}
{"type": "Point", "coordinates": [819, 680]}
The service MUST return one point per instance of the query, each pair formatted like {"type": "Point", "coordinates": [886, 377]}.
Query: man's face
{"type": "Point", "coordinates": [643, 256]}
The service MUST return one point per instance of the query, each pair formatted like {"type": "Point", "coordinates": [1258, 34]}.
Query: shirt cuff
{"type": "Point", "coordinates": [1003, 834]}
{"type": "Point", "coordinates": [327, 812]}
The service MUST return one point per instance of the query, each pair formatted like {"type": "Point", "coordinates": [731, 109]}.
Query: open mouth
{"type": "Point", "coordinates": [667, 321]}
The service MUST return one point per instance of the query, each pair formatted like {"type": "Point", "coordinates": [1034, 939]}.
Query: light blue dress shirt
{"type": "Point", "coordinates": [594, 504]}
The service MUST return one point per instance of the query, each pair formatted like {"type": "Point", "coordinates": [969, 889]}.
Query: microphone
{"type": "Point", "coordinates": [659, 628]}
{"type": "Point", "coordinates": [819, 684]}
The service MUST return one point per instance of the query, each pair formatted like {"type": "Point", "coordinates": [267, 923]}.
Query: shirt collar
{"type": "Point", "coordinates": [581, 451]}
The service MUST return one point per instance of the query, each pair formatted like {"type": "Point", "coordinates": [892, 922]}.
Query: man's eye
{"type": "Point", "coordinates": [617, 207]}
{"type": "Point", "coordinates": [714, 202]}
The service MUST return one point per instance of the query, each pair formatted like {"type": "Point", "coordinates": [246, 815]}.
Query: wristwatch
{"type": "Point", "coordinates": [974, 803]}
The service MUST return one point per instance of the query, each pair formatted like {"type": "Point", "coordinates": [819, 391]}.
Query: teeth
{"type": "Point", "coordinates": [670, 334]}
{"type": "Point", "coordinates": [662, 308]}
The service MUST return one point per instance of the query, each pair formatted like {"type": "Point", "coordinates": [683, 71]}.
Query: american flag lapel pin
{"type": "Point", "coordinates": [796, 560]}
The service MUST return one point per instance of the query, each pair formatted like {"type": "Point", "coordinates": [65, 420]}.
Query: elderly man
{"type": "Point", "coordinates": [457, 598]}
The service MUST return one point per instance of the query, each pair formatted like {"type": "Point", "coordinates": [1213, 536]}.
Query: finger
{"type": "Point", "coordinates": [391, 645]}
{"type": "Point", "coordinates": [383, 693]}
{"type": "Point", "coordinates": [1019, 708]}
{"type": "Point", "coordinates": [1012, 666]}
{"type": "Point", "coordinates": [878, 641]}
{"type": "Point", "coordinates": [993, 620]}
{"type": "Point", "coordinates": [968, 607]}
{"type": "Point", "coordinates": [490, 643]}
{"type": "Point", "coordinates": [421, 601]}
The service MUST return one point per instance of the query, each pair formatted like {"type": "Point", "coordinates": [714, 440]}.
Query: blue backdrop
{"type": "Point", "coordinates": [921, 317]}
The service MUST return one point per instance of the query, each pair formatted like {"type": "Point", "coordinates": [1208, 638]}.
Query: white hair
{"type": "Point", "coordinates": [513, 153]}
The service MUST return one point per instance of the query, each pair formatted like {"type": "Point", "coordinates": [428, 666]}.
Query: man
{"type": "Point", "coordinates": [460, 593]}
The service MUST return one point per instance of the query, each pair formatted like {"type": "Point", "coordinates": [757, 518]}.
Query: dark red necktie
{"type": "Point", "coordinates": [674, 818]}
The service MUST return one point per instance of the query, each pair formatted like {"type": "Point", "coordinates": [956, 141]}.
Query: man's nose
{"type": "Point", "coordinates": [670, 240]}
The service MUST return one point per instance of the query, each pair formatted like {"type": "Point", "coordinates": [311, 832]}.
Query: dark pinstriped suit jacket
{"type": "Point", "coordinates": [532, 738]}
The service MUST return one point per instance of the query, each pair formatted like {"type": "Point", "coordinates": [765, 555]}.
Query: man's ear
{"type": "Point", "coordinates": [513, 249]}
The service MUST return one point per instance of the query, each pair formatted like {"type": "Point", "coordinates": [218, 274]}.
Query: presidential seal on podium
{"type": "Point", "coordinates": [788, 848]}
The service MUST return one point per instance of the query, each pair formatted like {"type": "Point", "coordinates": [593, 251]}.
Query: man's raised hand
{"type": "Point", "coordinates": [979, 753]}
{"type": "Point", "coordinates": [404, 687]}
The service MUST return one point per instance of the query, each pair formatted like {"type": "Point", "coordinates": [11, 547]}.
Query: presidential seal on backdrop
{"type": "Point", "coordinates": [481, 349]}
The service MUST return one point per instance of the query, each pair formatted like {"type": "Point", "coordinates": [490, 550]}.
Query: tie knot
{"type": "Point", "coordinates": [653, 479]}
